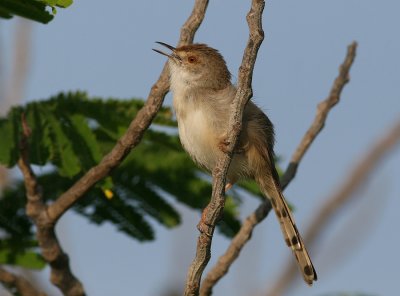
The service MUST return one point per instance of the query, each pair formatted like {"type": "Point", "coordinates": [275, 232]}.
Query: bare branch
{"type": "Point", "coordinates": [245, 232]}
{"type": "Point", "coordinates": [214, 209]}
{"type": "Point", "coordinates": [61, 274]}
{"type": "Point", "coordinates": [45, 217]}
{"type": "Point", "coordinates": [340, 198]}
{"type": "Point", "coordinates": [322, 113]}
{"type": "Point", "coordinates": [19, 283]}
{"type": "Point", "coordinates": [136, 129]}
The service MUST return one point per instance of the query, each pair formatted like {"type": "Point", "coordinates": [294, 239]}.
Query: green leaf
{"type": "Point", "coordinates": [27, 259]}
{"type": "Point", "coordinates": [62, 148]}
{"type": "Point", "coordinates": [10, 131]}
{"type": "Point", "coordinates": [7, 147]}
{"type": "Point", "coordinates": [16, 229]}
{"type": "Point", "coordinates": [49, 2]}
{"type": "Point", "coordinates": [4, 13]}
{"type": "Point", "coordinates": [59, 3]}
{"type": "Point", "coordinates": [37, 10]}
{"type": "Point", "coordinates": [124, 216]}
{"type": "Point", "coordinates": [151, 202]}
{"type": "Point", "coordinates": [64, 3]}
{"type": "Point", "coordinates": [30, 9]}
{"type": "Point", "coordinates": [83, 141]}
{"type": "Point", "coordinates": [39, 144]}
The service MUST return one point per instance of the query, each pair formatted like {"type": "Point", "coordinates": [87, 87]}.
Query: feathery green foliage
{"type": "Point", "coordinates": [36, 10]}
{"type": "Point", "coordinates": [70, 133]}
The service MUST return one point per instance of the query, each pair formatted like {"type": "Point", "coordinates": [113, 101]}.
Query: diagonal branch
{"type": "Point", "coordinates": [322, 113]}
{"type": "Point", "coordinates": [46, 216]}
{"type": "Point", "coordinates": [244, 92]}
{"type": "Point", "coordinates": [19, 283]}
{"type": "Point", "coordinates": [245, 232]}
{"type": "Point", "coordinates": [136, 129]}
{"type": "Point", "coordinates": [340, 198]}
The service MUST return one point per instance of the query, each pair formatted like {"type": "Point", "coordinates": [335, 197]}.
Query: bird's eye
{"type": "Point", "coordinates": [192, 59]}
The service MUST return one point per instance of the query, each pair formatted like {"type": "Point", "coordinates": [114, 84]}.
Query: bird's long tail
{"type": "Point", "coordinates": [292, 237]}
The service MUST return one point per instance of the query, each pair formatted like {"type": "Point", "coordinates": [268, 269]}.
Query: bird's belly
{"type": "Point", "coordinates": [199, 138]}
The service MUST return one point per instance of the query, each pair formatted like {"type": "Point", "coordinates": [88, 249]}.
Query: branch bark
{"type": "Point", "coordinates": [214, 209]}
{"type": "Point", "coordinates": [322, 113]}
{"type": "Point", "coordinates": [19, 283]}
{"type": "Point", "coordinates": [245, 232]}
{"type": "Point", "coordinates": [61, 274]}
{"type": "Point", "coordinates": [136, 129]}
{"type": "Point", "coordinates": [338, 200]}
{"type": "Point", "coordinates": [46, 216]}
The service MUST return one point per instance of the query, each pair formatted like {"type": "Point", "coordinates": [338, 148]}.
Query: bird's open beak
{"type": "Point", "coordinates": [173, 55]}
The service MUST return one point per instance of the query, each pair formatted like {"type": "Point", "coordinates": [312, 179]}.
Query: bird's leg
{"type": "Point", "coordinates": [203, 226]}
{"type": "Point", "coordinates": [224, 143]}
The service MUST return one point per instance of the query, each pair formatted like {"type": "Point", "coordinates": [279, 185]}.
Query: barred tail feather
{"type": "Point", "coordinates": [288, 227]}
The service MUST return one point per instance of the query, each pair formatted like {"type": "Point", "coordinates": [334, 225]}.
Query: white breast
{"type": "Point", "coordinates": [195, 132]}
{"type": "Point", "coordinates": [199, 131]}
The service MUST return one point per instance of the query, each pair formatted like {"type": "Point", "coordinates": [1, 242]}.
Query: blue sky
{"type": "Point", "coordinates": [105, 49]}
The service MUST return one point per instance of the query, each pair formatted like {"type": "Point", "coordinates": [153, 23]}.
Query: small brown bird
{"type": "Point", "coordinates": [202, 95]}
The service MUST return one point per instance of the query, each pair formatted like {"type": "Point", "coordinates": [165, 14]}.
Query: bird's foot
{"type": "Point", "coordinates": [203, 227]}
{"type": "Point", "coordinates": [228, 186]}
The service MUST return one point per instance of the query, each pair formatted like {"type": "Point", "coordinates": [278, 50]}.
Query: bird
{"type": "Point", "coordinates": [202, 95]}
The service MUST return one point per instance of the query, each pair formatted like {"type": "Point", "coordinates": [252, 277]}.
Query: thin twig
{"type": "Point", "coordinates": [245, 232]}
{"type": "Point", "coordinates": [136, 129]}
{"type": "Point", "coordinates": [243, 94]}
{"type": "Point", "coordinates": [19, 283]}
{"type": "Point", "coordinates": [61, 274]}
{"type": "Point", "coordinates": [340, 198]}
{"type": "Point", "coordinates": [322, 113]}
